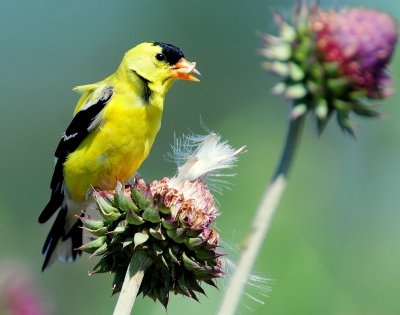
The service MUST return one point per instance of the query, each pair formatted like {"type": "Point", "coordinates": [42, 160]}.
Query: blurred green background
{"type": "Point", "coordinates": [334, 244]}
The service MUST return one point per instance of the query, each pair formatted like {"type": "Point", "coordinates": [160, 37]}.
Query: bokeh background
{"type": "Point", "coordinates": [334, 244]}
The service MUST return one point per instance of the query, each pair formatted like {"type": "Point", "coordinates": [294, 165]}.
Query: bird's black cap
{"type": "Point", "coordinates": [171, 52]}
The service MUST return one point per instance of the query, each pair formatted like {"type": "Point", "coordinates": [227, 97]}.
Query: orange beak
{"type": "Point", "coordinates": [182, 70]}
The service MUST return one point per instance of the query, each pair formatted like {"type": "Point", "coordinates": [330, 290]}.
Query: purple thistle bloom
{"type": "Point", "coordinates": [191, 202]}
{"type": "Point", "coordinates": [19, 295]}
{"type": "Point", "coordinates": [332, 61]}
{"type": "Point", "coordinates": [362, 41]}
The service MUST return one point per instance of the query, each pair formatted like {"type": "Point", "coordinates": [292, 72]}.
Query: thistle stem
{"type": "Point", "coordinates": [133, 278]}
{"type": "Point", "coordinates": [263, 218]}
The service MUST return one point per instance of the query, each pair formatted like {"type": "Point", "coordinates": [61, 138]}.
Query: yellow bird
{"type": "Point", "coordinates": [114, 126]}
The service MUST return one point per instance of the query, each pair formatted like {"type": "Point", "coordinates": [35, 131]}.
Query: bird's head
{"type": "Point", "coordinates": [159, 63]}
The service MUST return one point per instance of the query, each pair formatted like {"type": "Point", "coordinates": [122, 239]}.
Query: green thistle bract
{"type": "Point", "coordinates": [332, 61]}
{"type": "Point", "coordinates": [170, 221]}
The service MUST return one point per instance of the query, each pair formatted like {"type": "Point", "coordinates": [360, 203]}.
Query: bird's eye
{"type": "Point", "coordinates": [160, 57]}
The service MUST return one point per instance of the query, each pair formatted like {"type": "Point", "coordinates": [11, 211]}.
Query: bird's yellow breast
{"type": "Point", "coordinates": [116, 149]}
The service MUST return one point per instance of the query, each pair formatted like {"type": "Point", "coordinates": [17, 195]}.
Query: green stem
{"type": "Point", "coordinates": [262, 221]}
{"type": "Point", "coordinates": [133, 278]}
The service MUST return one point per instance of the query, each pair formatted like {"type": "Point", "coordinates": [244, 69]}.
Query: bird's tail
{"type": "Point", "coordinates": [61, 243]}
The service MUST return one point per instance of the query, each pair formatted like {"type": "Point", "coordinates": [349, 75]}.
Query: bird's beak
{"type": "Point", "coordinates": [182, 69]}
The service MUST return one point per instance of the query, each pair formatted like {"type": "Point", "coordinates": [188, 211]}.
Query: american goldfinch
{"type": "Point", "coordinates": [114, 126]}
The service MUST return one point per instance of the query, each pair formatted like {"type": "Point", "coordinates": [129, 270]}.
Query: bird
{"type": "Point", "coordinates": [114, 125]}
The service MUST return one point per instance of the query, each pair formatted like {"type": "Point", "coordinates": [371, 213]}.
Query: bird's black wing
{"type": "Point", "coordinates": [81, 125]}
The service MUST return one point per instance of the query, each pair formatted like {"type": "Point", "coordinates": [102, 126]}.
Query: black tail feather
{"type": "Point", "coordinates": [57, 194]}
{"type": "Point", "coordinates": [76, 235]}
{"type": "Point", "coordinates": [51, 207]}
{"type": "Point", "coordinates": [57, 233]}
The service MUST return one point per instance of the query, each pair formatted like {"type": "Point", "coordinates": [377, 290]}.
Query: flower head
{"type": "Point", "coordinates": [18, 293]}
{"type": "Point", "coordinates": [190, 201]}
{"type": "Point", "coordinates": [361, 42]}
{"type": "Point", "coordinates": [332, 61]}
{"type": "Point", "coordinates": [170, 220]}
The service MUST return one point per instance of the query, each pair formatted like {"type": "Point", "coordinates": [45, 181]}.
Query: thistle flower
{"type": "Point", "coordinates": [170, 220]}
{"type": "Point", "coordinates": [332, 61]}
{"type": "Point", "coordinates": [18, 294]}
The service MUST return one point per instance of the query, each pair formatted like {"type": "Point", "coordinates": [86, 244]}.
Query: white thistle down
{"type": "Point", "coordinates": [198, 157]}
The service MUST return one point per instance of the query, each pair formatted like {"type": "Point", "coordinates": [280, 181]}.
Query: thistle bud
{"type": "Point", "coordinates": [332, 61]}
{"type": "Point", "coordinates": [170, 220]}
